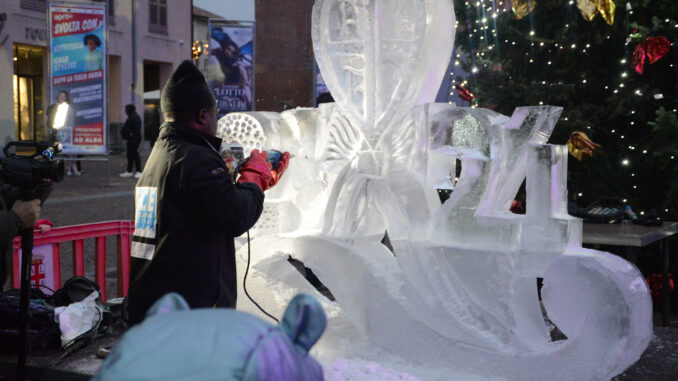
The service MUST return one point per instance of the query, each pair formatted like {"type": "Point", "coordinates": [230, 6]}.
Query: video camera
{"type": "Point", "coordinates": [37, 166]}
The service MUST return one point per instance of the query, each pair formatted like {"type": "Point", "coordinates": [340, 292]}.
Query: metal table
{"type": "Point", "coordinates": [633, 237]}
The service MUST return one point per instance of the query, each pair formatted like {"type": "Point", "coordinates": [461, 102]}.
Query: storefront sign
{"type": "Point", "coordinates": [78, 76]}
{"type": "Point", "coordinates": [36, 34]}
{"type": "Point", "coordinates": [231, 65]}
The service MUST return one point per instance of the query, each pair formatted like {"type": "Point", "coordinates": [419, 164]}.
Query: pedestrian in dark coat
{"type": "Point", "coordinates": [131, 132]}
{"type": "Point", "coordinates": [188, 209]}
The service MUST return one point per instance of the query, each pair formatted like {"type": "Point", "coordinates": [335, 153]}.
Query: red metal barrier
{"type": "Point", "coordinates": [76, 234]}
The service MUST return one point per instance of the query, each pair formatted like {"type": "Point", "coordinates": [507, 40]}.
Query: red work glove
{"type": "Point", "coordinates": [277, 173]}
{"type": "Point", "coordinates": [256, 170]}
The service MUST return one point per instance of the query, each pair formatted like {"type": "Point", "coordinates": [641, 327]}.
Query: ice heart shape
{"type": "Point", "coordinates": [380, 58]}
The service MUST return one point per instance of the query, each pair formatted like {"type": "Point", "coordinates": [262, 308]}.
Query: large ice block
{"type": "Point", "coordinates": [455, 290]}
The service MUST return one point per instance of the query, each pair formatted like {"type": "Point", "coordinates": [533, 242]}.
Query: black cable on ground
{"type": "Point", "coordinates": [244, 281]}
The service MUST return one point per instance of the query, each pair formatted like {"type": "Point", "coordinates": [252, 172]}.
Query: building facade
{"type": "Point", "coordinates": [285, 64]}
{"type": "Point", "coordinates": [147, 39]}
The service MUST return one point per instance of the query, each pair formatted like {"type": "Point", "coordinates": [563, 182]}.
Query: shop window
{"type": "Point", "coordinates": [34, 5]}
{"type": "Point", "coordinates": [157, 16]}
{"type": "Point", "coordinates": [29, 116]}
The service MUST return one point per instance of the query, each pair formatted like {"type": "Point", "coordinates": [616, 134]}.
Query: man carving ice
{"type": "Point", "coordinates": [187, 207]}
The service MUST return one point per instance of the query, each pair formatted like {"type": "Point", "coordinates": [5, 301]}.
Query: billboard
{"type": "Point", "coordinates": [230, 70]}
{"type": "Point", "coordinates": [78, 75]}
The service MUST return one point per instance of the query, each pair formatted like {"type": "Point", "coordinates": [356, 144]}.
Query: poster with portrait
{"type": "Point", "coordinates": [78, 75]}
{"type": "Point", "coordinates": [231, 65]}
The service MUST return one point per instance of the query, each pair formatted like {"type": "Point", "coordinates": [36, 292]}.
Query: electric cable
{"type": "Point", "coordinates": [244, 282]}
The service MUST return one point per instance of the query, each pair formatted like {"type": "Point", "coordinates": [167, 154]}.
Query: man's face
{"type": "Point", "coordinates": [211, 120]}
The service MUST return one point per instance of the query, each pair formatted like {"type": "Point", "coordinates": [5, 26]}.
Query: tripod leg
{"type": "Point", "coordinates": [24, 299]}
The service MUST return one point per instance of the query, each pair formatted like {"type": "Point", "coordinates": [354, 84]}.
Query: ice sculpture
{"type": "Point", "coordinates": [458, 292]}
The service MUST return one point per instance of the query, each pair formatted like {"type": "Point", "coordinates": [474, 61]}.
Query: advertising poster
{"type": "Point", "coordinates": [78, 75]}
{"type": "Point", "coordinates": [231, 66]}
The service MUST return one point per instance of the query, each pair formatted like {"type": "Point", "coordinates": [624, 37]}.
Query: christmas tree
{"type": "Point", "coordinates": [610, 64]}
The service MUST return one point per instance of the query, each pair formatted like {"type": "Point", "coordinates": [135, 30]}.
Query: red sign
{"type": "Point", "coordinates": [64, 24]}
{"type": "Point", "coordinates": [89, 134]}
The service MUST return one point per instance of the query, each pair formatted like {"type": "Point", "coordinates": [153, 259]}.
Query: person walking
{"type": "Point", "coordinates": [131, 131]}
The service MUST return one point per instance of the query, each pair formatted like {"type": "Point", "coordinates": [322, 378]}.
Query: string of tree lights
{"type": "Point", "coordinates": [545, 52]}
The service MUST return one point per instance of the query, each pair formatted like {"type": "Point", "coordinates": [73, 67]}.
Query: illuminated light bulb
{"type": "Point", "coordinates": [625, 162]}
{"type": "Point", "coordinates": [584, 81]}
{"type": "Point", "coordinates": [531, 33]}
{"type": "Point", "coordinates": [624, 200]}
{"type": "Point", "coordinates": [621, 85]}
{"type": "Point", "coordinates": [457, 63]}
{"type": "Point", "coordinates": [615, 91]}
{"type": "Point", "coordinates": [573, 46]}
{"type": "Point", "coordinates": [541, 103]}
{"type": "Point", "coordinates": [474, 70]}
{"type": "Point", "coordinates": [644, 151]}
{"type": "Point", "coordinates": [541, 44]}
{"type": "Point", "coordinates": [580, 194]}
{"type": "Point", "coordinates": [632, 123]}
{"type": "Point", "coordinates": [543, 82]}
{"type": "Point", "coordinates": [624, 74]}
{"type": "Point", "coordinates": [612, 131]}
{"type": "Point", "coordinates": [549, 62]}
{"type": "Point", "coordinates": [623, 61]}
{"type": "Point", "coordinates": [638, 92]}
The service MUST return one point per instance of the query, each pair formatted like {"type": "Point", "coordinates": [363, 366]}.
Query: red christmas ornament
{"type": "Point", "coordinates": [464, 93]}
{"type": "Point", "coordinates": [654, 48]}
{"type": "Point", "coordinates": [638, 62]}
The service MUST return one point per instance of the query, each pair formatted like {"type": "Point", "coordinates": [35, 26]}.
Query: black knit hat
{"type": "Point", "coordinates": [186, 91]}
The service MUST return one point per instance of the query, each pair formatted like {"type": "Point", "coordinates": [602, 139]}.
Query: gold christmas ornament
{"type": "Point", "coordinates": [580, 144]}
{"type": "Point", "coordinates": [606, 9]}
{"type": "Point", "coordinates": [522, 8]}
{"type": "Point", "coordinates": [590, 8]}
{"type": "Point", "coordinates": [587, 8]}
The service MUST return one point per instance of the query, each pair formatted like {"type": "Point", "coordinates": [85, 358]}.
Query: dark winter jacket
{"type": "Point", "coordinates": [131, 130]}
{"type": "Point", "coordinates": [9, 228]}
{"type": "Point", "coordinates": [188, 210]}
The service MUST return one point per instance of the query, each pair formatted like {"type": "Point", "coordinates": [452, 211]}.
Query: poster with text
{"type": "Point", "coordinates": [78, 75]}
{"type": "Point", "coordinates": [231, 66]}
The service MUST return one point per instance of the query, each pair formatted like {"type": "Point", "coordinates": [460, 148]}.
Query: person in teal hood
{"type": "Point", "coordinates": [176, 343]}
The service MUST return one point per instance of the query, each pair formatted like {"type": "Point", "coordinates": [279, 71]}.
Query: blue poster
{"type": "Point", "coordinates": [231, 66]}
{"type": "Point", "coordinates": [78, 70]}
